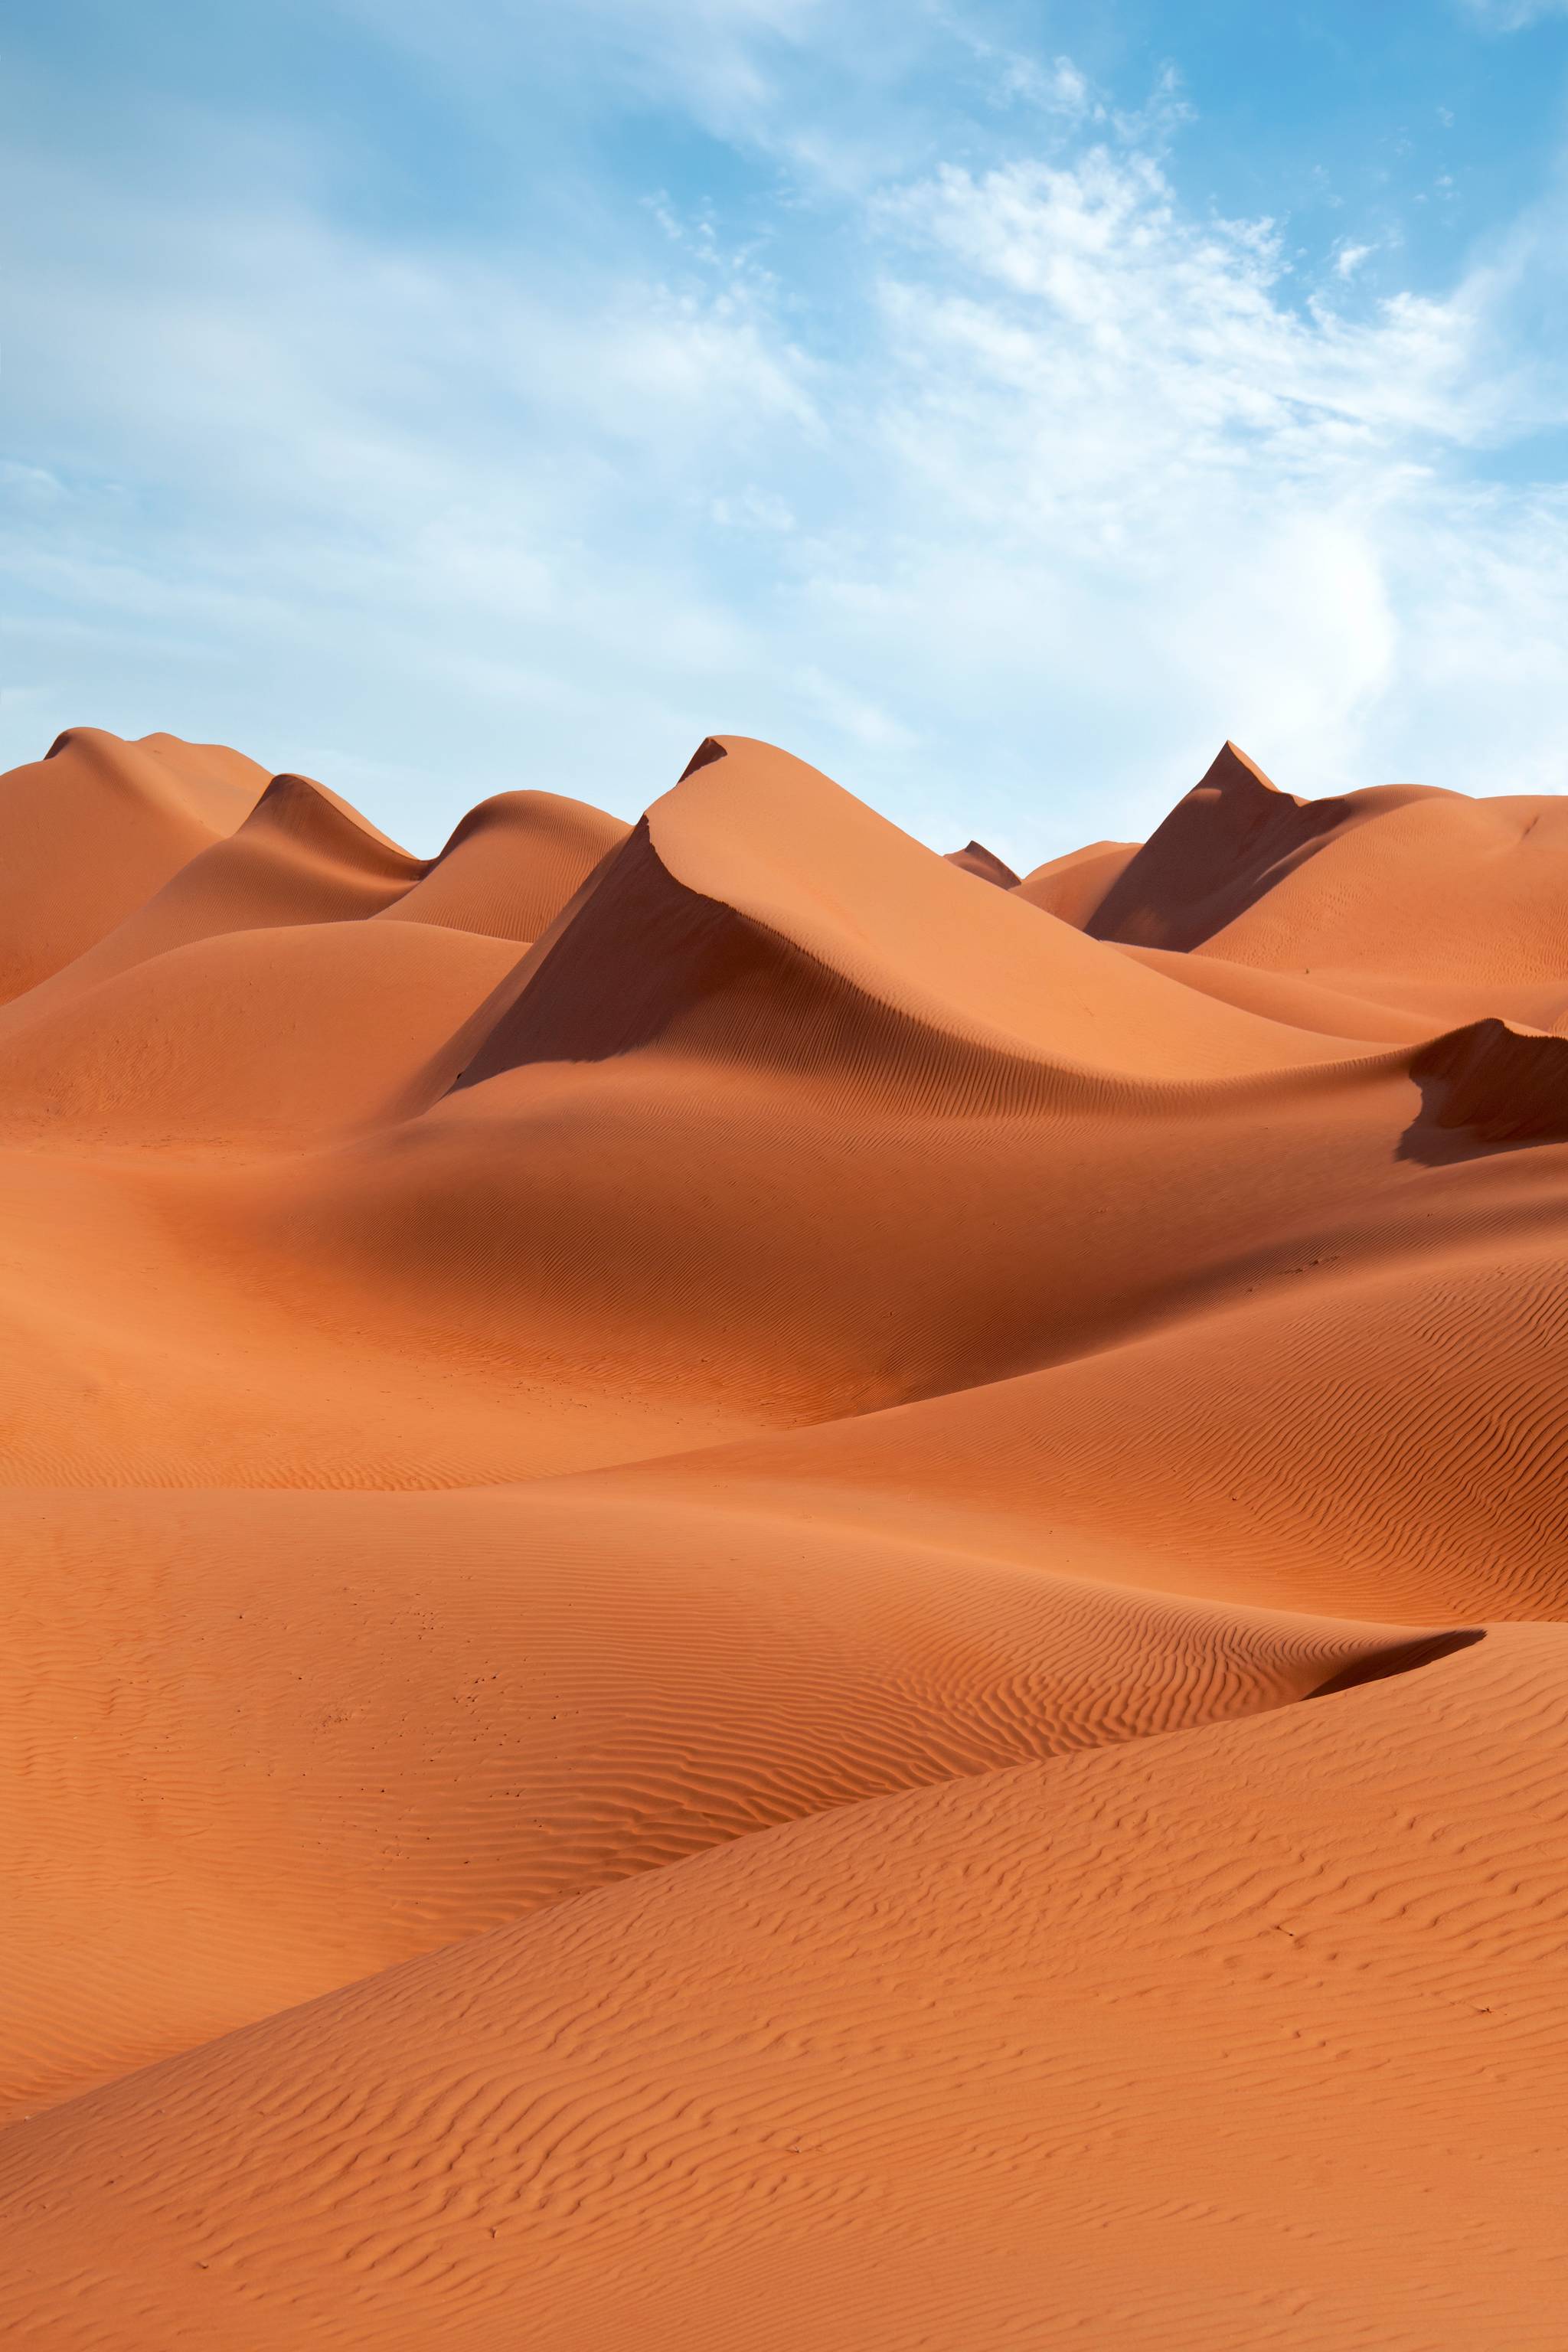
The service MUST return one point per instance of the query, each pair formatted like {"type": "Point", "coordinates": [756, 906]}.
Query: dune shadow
{"type": "Point", "coordinates": [1400, 1658]}
{"type": "Point", "coordinates": [1431, 1140]}
{"type": "Point", "coordinates": [1490, 1087]}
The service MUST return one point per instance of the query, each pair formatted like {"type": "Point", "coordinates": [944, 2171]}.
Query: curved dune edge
{"type": "Point", "coordinates": [511, 866]}
{"type": "Point", "coordinates": [693, 1675]}
{"type": "Point", "coordinates": [894, 2055]}
{"type": "Point", "coordinates": [706, 931]}
{"type": "Point", "coordinates": [983, 865]}
{"type": "Point", "coordinates": [1505, 1083]}
{"type": "Point", "coordinates": [759, 1583]}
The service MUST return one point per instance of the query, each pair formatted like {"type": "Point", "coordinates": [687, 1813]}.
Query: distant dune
{"type": "Point", "coordinates": [763, 1590]}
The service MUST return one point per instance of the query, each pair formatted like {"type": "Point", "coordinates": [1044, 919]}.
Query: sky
{"type": "Point", "coordinates": [997, 402]}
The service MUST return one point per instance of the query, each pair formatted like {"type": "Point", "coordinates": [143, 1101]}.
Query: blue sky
{"type": "Point", "coordinates": [996, 404]}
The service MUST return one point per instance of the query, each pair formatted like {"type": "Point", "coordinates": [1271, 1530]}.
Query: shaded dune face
{"type": "Point", "coordinates": [1411, 884]}
{"type": "Point", "coordinates": [1234, 838]}
{"type": "Point", "coordinates": [756, 1583]}
{"type": "Point", "coordinates": [1499, 1083]}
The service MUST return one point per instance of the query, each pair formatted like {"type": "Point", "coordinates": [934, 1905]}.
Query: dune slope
{"type": "Point", "coordinates": [96, 827]}
{"type": "Point", "coordinates": [759, 1587]}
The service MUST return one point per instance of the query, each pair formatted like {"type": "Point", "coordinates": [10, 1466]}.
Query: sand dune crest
{"type": "Point", "coordinates": [87, 833]}
{"type": "Point", "coordinates": [984, 864]}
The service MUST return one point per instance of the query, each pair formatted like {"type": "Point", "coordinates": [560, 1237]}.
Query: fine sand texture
{"type": "Point", "coordinates": [761, 1589]}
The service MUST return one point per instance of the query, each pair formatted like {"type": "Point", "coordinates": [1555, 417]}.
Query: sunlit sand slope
{"type": "Point", "coordinates": [1250, 2034]}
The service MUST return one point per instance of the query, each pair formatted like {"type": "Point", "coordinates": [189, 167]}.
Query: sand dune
{"type": "Point", "coordinates": [758, 912]}
{"type": "Point", "coordinates": [512, 865]}
{"type": "Point", "coordinates": [94, 828]}
{"type": "Point", "coordinates": [1400, 879]}
{"type": "Point", "coordinates": [1118, 2045]}
{"type": "Point", "coordinates": [984, 864]}
{"type": "Point", "coordinates": [627, 1679]}
{"type": "Point", "coordinates": [301, 856]}
{"type": "Point", "coordinates": [759, 1585]}
{"type": "Point", "coordinates": [1073, 886]}
{"type": "Point", "coordinates": [258, 1033]}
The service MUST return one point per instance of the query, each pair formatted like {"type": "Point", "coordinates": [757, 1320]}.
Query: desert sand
{"type": "Point", "coordinates": [763, 1589]}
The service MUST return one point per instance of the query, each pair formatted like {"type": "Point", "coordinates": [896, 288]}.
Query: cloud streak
{"type": "Point", "coordinates": [1514, 15]}
{"type": "Point", "coordinates": [1003, 488]}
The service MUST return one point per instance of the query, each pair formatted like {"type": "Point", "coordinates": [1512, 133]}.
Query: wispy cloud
{"type": "Point", "coordinates": [1150, 482]}
{"type": "Point", "coordinates": [1002, 484]}
{"type": "Point", "coordinates": [1512, 16]}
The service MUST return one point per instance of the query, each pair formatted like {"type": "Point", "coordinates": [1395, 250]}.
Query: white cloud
{"type": "Point", "coordinates": [1164, 112]}
{"type": "Point", "coordinates": [1056, 86]}
{"type": "Point", "coordinates": [314, 489]}
{"type": "Point", "coordinates": [1146, 501]}
{"type": "Point", "coordinates": [1004, 497]}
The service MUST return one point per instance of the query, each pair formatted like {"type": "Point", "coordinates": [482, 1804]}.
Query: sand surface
{"type": "Point", "coordinates": [762, 1589]}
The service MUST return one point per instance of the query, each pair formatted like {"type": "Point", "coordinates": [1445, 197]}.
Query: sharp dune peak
{"type": "Point", "coordinates": [1233, 769]}
{"type": "Point", "coordinates": [984, 864]}
{"type": "Point", "coordinates": [759, 901]}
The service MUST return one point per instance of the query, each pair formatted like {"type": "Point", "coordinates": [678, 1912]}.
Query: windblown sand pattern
{"type": "Point", "coordinates": [763, 1590]}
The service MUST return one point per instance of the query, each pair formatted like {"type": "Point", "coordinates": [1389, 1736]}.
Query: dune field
{"type": "Point", "coordinates": [764, 1591]}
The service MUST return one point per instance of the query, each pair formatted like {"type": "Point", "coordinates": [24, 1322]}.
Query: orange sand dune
{"type": "Point", "coordinates": [96, 827]}
{"type": "Point", "coordinates": [625, 1680]}
{"type": "Point", "coordinates": [1400, 879]}
{"type": "Point", "coordinates": [1246, 2034]}
{"type": "Point", "coordinates": [758, 912]}
{"type": "Point", "coordinates": [253, 1033]}
{"type": "Point", "coordinates": [301, 856]}
{"type": "Point", "coordinates": [984, 864]}
{"type": "Point", "coordinates": [512, 865]}
{"type": "Point", "coordinates": [1073, 886]}
{"type": "Point", "coordinates": [762, 1587]}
